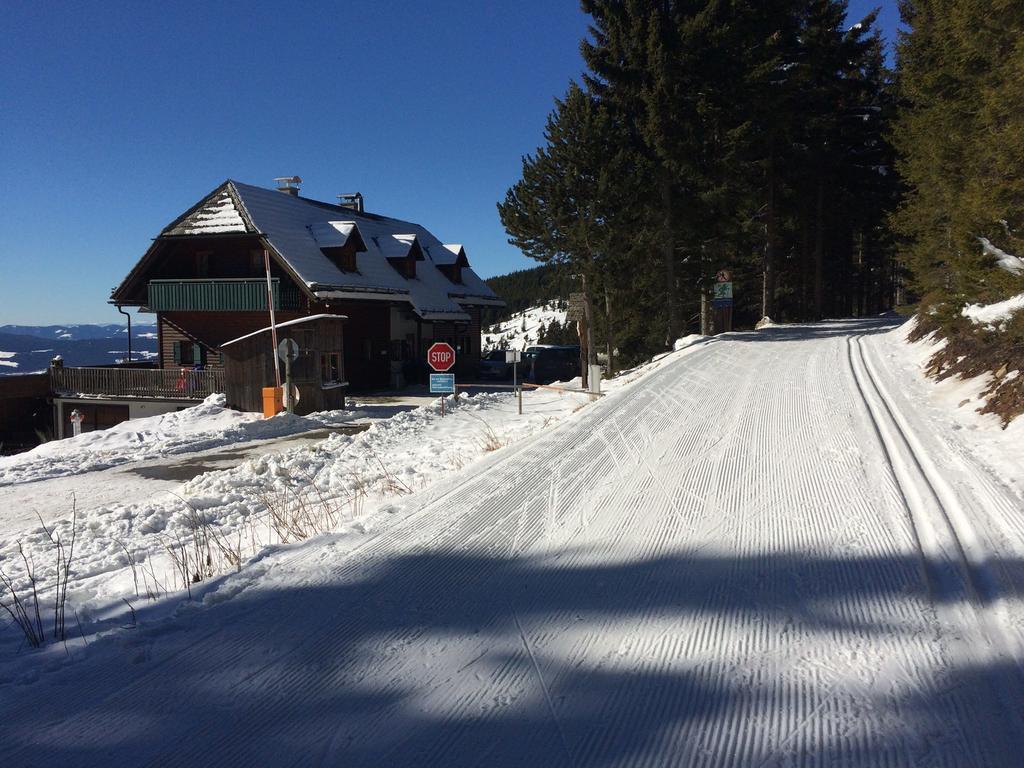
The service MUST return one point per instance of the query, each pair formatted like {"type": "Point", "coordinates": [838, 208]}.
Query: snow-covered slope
{"type": "Point", "coordinates": [523, 328]}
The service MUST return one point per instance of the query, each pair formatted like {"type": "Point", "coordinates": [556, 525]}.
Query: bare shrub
{"type": "Point", "coordinates": [25, 608]}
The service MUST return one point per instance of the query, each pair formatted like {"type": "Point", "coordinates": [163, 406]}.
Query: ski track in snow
{"type": "Point", "coordinates": [753, 556]}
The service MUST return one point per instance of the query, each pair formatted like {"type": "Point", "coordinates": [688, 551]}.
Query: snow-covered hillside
{"type": "Point", "coordinates": [523, 328]}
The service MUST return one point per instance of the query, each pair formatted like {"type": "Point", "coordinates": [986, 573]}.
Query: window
{"type": "Point", "coordinates": [405, 266]}
{"type": "Point", "coordinates": [188, 353]}
{"type": "Point", "coordinates": [343, 257]}
{"type": "Point", "coordinates": [330, 368]}
{"type": "Point", "coordinates": [203, 263]}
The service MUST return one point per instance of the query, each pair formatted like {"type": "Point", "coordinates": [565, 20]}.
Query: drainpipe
{"type": "Point", "coordinates": [129, 331]}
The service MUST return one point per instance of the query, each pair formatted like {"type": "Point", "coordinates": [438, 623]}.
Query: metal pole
{"type": "Point", "coordinates": [273, 322]}
{"type": "Point", "coordinates": [289, 405]}
{"type": "Point", "coordinates": [515, 385]}
{"type": "Point", "coordinates": [129, 331]}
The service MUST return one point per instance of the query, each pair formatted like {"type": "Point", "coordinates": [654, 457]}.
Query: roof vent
{"type": "Point", "coordinates": [287, 184]}
{"type": "Point", "coordinates": [353, 200]}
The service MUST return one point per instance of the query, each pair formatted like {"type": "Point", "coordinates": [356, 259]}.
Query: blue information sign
{"type": "Point", "coordinates": [442, 383]}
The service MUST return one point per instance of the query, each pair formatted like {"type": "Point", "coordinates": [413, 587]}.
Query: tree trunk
{"type": "Point", "coordinates": [609, 336]}
{"type": "Point", "coordinates": [819, 249]}
{"type": "Point", "coordinates": [668, 257]}
{"type": "Point", "coordinates": [768, 293]}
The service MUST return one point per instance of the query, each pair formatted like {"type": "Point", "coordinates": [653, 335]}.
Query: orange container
{"type": "Point", "coordinates": [273, 401]}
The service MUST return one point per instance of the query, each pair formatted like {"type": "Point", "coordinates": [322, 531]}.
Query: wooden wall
{"type": "Point", "coordinates": [249, 366]}
{"type": "Point", "coordinates": [210, 328]}
{"type": "Point", "coordinates": [23, 410]}
{"type": "Point", "coordinates": [367, 342]}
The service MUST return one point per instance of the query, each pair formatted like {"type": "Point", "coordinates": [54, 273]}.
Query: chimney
{"type": "Point", "coordinates": [353, 200]}
{"type": "Point", "coordinates": [287, 184]}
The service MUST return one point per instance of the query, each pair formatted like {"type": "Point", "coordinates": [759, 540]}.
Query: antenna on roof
{"type": "Point", "coordinates": [287, 184]}
{"type": "Point", "coordinates": [353, 200]}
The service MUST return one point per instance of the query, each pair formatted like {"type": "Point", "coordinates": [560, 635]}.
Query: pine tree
{"type": "Point", "coordinates": [960, 149]}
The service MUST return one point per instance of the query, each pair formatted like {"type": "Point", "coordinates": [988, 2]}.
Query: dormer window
{"type": "Point", "coordinates": [451, 260]}
{"type": "Point", "coordinates": [344, 258]}
{"type": "Point", "coordinates": [402, 252]}
{"type": "Point", "coordinates": [339, 241]}
{"type": "Point", "coordinates": [452, 271]}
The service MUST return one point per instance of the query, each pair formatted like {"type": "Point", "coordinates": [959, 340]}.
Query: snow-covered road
{"type": "Point", "coordinates": [760, 554]}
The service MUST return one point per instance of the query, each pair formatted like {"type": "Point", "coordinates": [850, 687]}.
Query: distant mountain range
{"type": "Point", "coordinates": [30, 348]}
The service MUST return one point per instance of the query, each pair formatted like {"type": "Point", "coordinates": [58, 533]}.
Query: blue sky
{"type": "Point", "coordinates": [118, 116]}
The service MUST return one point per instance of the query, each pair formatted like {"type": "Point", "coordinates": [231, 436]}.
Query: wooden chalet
{"type": "Point", "coordinates": [399, 287]}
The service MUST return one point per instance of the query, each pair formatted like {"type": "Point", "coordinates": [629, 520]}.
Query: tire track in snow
{"type": "Point", "coordinates": [940, 518]}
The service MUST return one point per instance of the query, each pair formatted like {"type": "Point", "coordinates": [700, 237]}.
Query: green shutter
{"type": "Point", "coordinates": [177, 352]}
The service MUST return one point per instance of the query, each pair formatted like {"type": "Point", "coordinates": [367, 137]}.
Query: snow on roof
{"type": "Point", "coordinates": [332, 234]}
{"type": "Point", "coordinates": [286, 324]}
{"type": "Point", "coordinates": [448, 253]}
{"type": "Point", "coordinates": [288, 224]}
{"type": "Point", "coordinates": [219, 215]}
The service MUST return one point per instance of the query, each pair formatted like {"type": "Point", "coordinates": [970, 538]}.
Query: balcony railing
{"type": "Point", "coordinates": [218, 295]}
{"type": "Point", "coordinates": [171, 383]}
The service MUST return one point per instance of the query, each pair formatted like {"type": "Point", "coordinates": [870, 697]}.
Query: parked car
{"type": "Point", "coordinates": [544, 363]}
{"type": "Point", "coordinates": [493, 366]}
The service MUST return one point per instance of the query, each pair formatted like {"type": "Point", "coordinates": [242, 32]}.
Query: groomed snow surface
{"type": "Point", "coordinates": [774, 548]}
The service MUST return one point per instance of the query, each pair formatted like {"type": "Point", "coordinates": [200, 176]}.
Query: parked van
{"type": "Point", "coordinates": [544, 363]}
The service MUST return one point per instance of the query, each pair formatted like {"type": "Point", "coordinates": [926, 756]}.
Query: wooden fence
{"type": "Point", "coordinates": [170, 383]}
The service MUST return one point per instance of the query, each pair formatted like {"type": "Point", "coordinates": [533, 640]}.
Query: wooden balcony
{"type": "Point", "coordinates": [164, 384]}
{"type": "Point", "coordinates": [222, 295]}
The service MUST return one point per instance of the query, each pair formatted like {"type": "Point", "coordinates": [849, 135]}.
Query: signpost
{"type": "Point", "coordinates": [288, 350]}
{"type": "Point", "coordinates": [579, 310]}
{"type": "Point", "coordinates": [577, 307]}
{"type": "Point", "coordinates": [441, 357]}
{"type": "Point", "coordinates": [442, 383]}
{"type": "Point", "coordinates": [514, 356]}
{"type": "Point", "coordinates": [721, 300]}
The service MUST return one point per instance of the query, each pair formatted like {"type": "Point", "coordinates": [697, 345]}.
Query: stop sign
{"type": "Point", "coordinates": [441, 356]}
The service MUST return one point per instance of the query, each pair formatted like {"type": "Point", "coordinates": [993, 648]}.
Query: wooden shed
{"type": "Point", "coordinates": [318, 373]}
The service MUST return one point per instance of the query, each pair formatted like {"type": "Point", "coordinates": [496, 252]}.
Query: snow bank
{"type": "Point", "coordinates": [994, 316]}
{"type": "Point", "coordinates": [363, 478]}
{"type": "Point", "coordinates": [207, 425]}
{"type": "Point", "coordinates": [5, 359]}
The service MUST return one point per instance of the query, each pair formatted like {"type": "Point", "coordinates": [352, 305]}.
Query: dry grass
{"type": "Point", "coordinates": [974, 350]}
{"type": "Point", "coordinates": [488, 440]}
